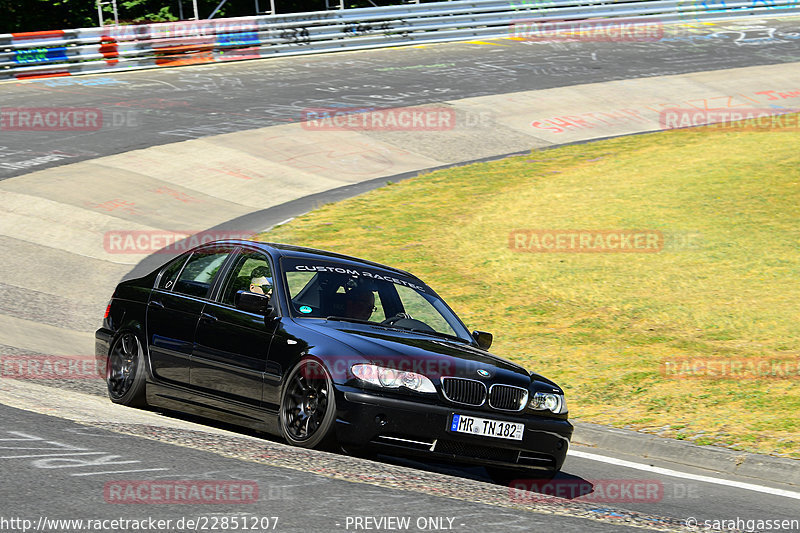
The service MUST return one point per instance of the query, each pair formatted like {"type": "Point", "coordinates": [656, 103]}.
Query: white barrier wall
{"type": "Point", "coordinates": [128, 47]}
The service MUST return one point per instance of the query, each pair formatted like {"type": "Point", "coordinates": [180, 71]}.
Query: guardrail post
{"type": "Point", "coordinates": [271, 8]}
{"type": "Point", "coordinates": [100, 4]}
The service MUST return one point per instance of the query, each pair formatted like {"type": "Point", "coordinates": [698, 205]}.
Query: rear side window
{"type": "Point", "coordinates": [199, 272]}
{"type": "Point", "coordinates": [170, 274]}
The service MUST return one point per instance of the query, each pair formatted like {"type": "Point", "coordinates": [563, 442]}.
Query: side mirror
{"type": "Point", "coordinates": [483, 338]}
{"type": "Point", "coordinates": [253, 303]}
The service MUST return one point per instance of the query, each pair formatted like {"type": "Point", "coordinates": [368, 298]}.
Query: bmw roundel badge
{"type": "Point", "coordinates": [484, 373]}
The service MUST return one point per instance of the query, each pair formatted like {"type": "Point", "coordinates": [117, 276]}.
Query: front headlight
{"type": "Point", "coordinates": [548, 401]}
{"type": "Point", "coordinates": [391, 378]}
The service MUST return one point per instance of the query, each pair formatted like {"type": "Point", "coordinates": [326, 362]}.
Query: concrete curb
{"type": "Point", "coordinates": [713, 458]}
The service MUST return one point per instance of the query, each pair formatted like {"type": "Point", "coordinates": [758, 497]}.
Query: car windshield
{"type": "Point", "coordinates": [342, 291]}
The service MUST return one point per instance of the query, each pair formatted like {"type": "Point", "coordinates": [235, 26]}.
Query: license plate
{"type": "Point", "coordinates": [487, 428]}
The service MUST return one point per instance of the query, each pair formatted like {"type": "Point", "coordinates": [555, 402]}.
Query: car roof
{"type": "Point", "coordinates": [301, 252]}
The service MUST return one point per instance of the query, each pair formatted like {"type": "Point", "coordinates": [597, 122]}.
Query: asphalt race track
{"type": "Point", "coordinates": [164, 106]}
{"type": "Point", "coordinates": [64, 445]}
{"type": "Point", "coordinates": [60, 470]}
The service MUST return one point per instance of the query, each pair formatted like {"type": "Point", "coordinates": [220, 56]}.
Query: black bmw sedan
{"type": "Point", "coordinates": [326, 350]}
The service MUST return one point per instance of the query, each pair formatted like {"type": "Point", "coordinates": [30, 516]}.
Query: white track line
{"type": "Point", "coordinates": [684, 475]}
{"type": "Point", "coordinates": [118, 471]}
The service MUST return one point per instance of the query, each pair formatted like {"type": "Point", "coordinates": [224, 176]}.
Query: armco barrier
{"type": "Point", "coordinates": [128, 47]}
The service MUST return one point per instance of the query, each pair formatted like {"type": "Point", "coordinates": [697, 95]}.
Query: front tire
{"type": "Point", "coordinates": [308, 407]}
{"type": "Point", "coordinates": [126, 373]}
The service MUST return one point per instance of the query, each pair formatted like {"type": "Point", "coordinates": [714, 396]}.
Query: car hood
{"type": "Point", "coordinates": [426, 354]}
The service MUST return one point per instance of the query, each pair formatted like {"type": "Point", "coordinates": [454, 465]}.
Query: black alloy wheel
{"type": "Point", "coordinates": [125, 373]}
{"type": "Point", "coordinates": [308, 406]}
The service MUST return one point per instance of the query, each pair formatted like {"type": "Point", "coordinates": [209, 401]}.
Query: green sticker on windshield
{"type": "Point", "coordinates": [305, 309]}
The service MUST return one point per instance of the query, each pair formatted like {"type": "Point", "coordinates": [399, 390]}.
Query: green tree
{"type": "Point", "coordinates": [40, 15]}
{"type": "Point", "coordinates": [37, 15]}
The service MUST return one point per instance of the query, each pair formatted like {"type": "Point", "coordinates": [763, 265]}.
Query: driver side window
{"type": "Point", "coordinates": [251, 272]}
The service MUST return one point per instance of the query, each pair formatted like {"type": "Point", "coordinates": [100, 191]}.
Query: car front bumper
{"type": "Point", "coordinates": [404, 427]}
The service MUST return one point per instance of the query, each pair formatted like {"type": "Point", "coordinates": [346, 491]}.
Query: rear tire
{"type": "Point", "coordinates": [308, 407]}
{"type": "Point", "coordinates": [126, 373]}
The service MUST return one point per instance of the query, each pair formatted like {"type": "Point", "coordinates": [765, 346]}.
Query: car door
{"type": "Point", "coordinates": [231, 350]}
{"type": "Point", "coordinates": [174, 310]}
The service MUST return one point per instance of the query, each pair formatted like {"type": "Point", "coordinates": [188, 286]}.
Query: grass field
{"type": "Point", "coordinates": [724, 287]}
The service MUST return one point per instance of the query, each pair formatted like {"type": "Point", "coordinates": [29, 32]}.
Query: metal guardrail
{"type": "Point", "coordinates": [129, 47]}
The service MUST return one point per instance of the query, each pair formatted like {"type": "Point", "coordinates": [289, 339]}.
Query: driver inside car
{"type": "Point", "coordinates": [260, 282]}
{"type": "Point", "coordinates": [360, 304]}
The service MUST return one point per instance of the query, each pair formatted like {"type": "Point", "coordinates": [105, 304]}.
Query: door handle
{"type": "Point", "coordinates": [207, 316]}
{"type": "Point", "coordinates": [157, 303]}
